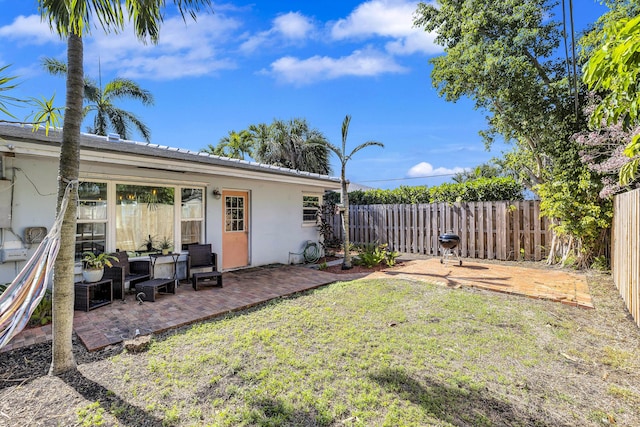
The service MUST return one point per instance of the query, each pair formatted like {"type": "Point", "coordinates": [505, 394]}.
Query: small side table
{"type": "Point", "coordinates": [209, 278]}
{"type": "Point", "coordinates": [89, 296]}
{"type": "Point", "coordinates": [174, 256]}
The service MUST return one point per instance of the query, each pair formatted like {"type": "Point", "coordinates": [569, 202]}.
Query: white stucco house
{"type": "Point", "coordinates": [252, 214]}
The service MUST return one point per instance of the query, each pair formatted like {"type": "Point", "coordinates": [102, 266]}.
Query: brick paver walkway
{"type": "Point", "coordinates": [242, 289]}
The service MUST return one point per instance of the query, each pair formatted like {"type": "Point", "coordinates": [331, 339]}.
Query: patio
{"type": "Point", "coordinates": [242, 289]}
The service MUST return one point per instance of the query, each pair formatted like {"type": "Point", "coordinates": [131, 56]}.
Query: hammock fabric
{"type": "Point", "coordinates": [23, 295]}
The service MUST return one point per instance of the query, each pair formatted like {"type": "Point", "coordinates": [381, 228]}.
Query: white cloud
{"type": "Point", "coordinates": [188, 49]}
{"type": "Point", "coordinates": [29, 30]}
{"type": "Point", "coordinates": [390, 19]}
{"type": "Point", "coordinates": [292, 27]}
{"type": "Point", "coordinates": [424, 169]}
{"type": "Point", "coordinates": [360, 63]}
{"type": "Point", "coordinates": [183, 50]}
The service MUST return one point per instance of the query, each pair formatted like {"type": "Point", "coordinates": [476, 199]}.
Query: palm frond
{"type": "Point", "coordinates": [6, 85]}
{"type": "Point", "coordinates": [54, 66]}
{"type": "Point", "coordinates": [126, 88]}
{"type": "Point", "coordinates": [364, 145]}
{"type": "Point", "coordinates": [48, 115]}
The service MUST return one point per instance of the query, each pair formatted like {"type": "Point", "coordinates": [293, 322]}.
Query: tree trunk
{"type": "Point", "coordinates": [63, 293]}
{"type": "Point", "coordinates": [346, 262]}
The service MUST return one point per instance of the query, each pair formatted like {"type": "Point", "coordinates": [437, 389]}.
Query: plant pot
{"type": "Point", "coordinates": [93, 275]}
{"type": "Point", "coordinates": [165, 252]}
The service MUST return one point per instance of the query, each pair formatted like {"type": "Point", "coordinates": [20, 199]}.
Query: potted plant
{"type": "Point", "coordinates": [148, 244]}
{"type": "Point", "coordinates": [165, 245]}
{"type": "Point", "coordinates": [93, 265]}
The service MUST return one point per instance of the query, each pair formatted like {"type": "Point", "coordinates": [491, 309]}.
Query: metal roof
{"type": "Point", "coordinates": [90, 142]}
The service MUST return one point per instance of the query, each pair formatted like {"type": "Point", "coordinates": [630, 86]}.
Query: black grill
{"type": "Point", "coordinates": [449, 241]}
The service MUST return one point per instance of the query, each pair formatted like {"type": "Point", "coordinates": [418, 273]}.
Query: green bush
{"type": "Point", "coordinates": [373, 254]}
{"type": "Point", "coordinates": [42, 315]}
{"type": "Point", "coordinates": [479, 190]}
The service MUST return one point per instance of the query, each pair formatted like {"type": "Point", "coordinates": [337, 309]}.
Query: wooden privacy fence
{"type": "Point", "coordinates": [625, 256]}
{"type": "Point", "coordinates": [487, 230]}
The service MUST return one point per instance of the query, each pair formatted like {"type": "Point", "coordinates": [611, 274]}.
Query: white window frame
{"type": "Point", "coordinates": [310, 222]}
{"type": "Point", "coordinates": [110, 231]}
{"type": "Point", "coordinates": [105, 221]}
{"type": "Point", "coordinates": [180, 219]}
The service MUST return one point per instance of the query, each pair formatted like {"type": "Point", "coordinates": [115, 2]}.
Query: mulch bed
{"type": "Point", "coordinates": [337, 269]}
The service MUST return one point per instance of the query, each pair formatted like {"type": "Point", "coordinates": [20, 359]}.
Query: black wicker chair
{"type": "Point", "coordinates": [124, 271]}
{"type": "Point", "coordinates": [201, 259]}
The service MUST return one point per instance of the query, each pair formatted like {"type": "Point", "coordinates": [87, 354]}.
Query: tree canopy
{"type": "Point", "coordinates": [291, 144]}
{"type": "Point", "coordinates": [506, 57]}
{"type": "Point", "coordinates": [502, 55]}
{"type": "Point", "coordinates": [613, 71]}
{"type": "Point", "coordinates": [102, 101]}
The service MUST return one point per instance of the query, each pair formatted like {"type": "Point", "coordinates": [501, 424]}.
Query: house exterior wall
{"type": "Point", "coordinates": [34, 194]}
{"type": "Point", "coordinates": [276, 225]}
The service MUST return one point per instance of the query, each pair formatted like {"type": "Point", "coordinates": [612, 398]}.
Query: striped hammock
{"type": "Point", "coordinates": [23, 295]}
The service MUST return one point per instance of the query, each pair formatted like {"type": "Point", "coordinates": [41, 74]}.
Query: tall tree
{"type": "Point", "coordinates": [484, 170]}
{"type": "Point", "coordinates": [236, 145]}
{"type": "Point", "coordinates": [291, 144]}
{"type": "Point", "coordinates": [344, 158]}
{"type": "Point", "coordinates": [72, 20]}
{"type": "Point", "coordinates": [108, 117]}
{"type": "Point", "coordinates": [613, 70]}
{"type": "Point", "coordinates": [45, 112]}
{"type": "Point", "coordinates": [501, 55]}
{"type": "Point", "coordinates": [505, 56]}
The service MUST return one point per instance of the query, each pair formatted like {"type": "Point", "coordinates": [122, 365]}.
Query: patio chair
{"type": "Point", "coordinates": [201, 259]}
{"type": "Point", "coordinates": [124, 272]}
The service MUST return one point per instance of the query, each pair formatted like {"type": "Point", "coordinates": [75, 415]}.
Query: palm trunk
{"type": "Point", "coordinates": [346, 262]}
{"type": "Point", "coordinates": [63, 293]}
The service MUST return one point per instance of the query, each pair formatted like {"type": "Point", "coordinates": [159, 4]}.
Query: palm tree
{"type": "Point", "coordinates": [6, 84]}
{"type": "Point", "coordinates": [45, 112]}
{"type": "Point", "coordinates": [484, 170]}
{"type": "Point", "coordinates": [108, 116]}
{"type": "Point", "coordinates": [72, 19]}
{"type": "Point", "coordinates": [235, 146]}
{"type": "Point", "coordinates": [344, 158]}
{"type": "Point", "coordinates": [291, 144]}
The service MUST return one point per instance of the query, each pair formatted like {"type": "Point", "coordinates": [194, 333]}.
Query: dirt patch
{"type": "Point", "coordinates": [337, 269]}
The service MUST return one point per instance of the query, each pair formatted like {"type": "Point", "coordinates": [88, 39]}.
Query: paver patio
{"type": "Point", "coordinates": [242, 289]}
{"type": "Point", "coordinates": [540, 283]}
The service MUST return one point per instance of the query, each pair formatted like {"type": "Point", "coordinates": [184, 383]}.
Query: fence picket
{"type": "Point", "coordinates": [486, 229]}
{"type": "Point", "coordinates": [625, 256]}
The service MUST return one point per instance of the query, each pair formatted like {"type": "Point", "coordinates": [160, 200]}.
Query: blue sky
{"type": "Point", "coordinates": [253, 62]}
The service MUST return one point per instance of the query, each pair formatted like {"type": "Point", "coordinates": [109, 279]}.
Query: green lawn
{"type": "Point", "coordinates": [383, 353]}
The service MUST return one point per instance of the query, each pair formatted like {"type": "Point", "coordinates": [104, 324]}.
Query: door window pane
{"type": "Point", "coordinates": [234, 213]}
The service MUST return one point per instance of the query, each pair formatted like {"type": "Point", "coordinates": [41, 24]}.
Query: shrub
{"type": "Point", "coordinates": [479, 190]}
{"type": "Point", "coordinates": [373, 254]}
{"type": "Point", "coordinates": [42, 315]}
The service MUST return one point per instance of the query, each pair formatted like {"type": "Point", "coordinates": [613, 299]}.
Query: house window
{"type": "Point", "coordinates": [91, 228]}
{"type": "Point", "coordinates": [234, 213]}
{"type": "Point", "coordinates": [191, 215]}
{"type": "Point", "coordinates": [144, 216]}
{"type": "Point", "coordinates": [140, 216]}
{"type": "Point", "coordinates": [310, 206]}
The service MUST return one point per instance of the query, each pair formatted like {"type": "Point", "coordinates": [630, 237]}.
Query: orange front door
{"type": "Point", "coordinates": [235, 230]}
